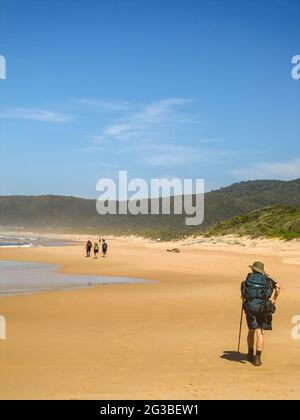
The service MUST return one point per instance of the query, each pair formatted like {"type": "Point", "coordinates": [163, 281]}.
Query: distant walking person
{"type": "Point", "coordinates": [259, 293]}
{"type": "Point", "coordinates": [96, 249]}
{"type": "Point", "coordinates": [104, 247]}
{"type": "Point", "coordinates": [88, 248]}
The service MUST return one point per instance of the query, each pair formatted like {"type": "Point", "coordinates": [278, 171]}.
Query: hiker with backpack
{"type": "Point", "coordinates": [96, 249]}
{"type": "Point", "coordinates": [88, 248]}
{"type": "Point", "coordinates": [104, 248]}
{"type": "Point", "coordinates": [259, 294]}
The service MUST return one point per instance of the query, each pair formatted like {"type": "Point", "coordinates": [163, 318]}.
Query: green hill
{"type": "Point", "coordinates": [70, 214]}
{"type": "Point", "coordinates": [272, 222]}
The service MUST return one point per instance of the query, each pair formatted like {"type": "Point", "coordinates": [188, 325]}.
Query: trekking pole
{"type": "Point", "coordinates": [240, 333]}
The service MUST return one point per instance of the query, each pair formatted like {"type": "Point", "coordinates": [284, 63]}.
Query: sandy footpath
{"type": "Point", "coordinates": [174, 339]}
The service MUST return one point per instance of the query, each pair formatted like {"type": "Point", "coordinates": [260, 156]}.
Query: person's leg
{"type": "Point", "coordinates": [250, 340]}
{"type": "Point", "coordinates": [259, 346]}
{"type": "Point", "coordinates": [260, 340]}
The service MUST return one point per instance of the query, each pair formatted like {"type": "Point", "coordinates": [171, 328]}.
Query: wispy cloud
{"type": "Point", "coordinates": [35, 115]}
{"type": "Point", "coordinates": [270, 170]}
{"type": "Point", "coordinates": [152, 120]}
{"type": "Point", "coordinates": [163, 133]}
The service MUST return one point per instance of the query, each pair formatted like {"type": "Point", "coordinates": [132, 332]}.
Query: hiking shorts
{"type": "Point", "coordinates": [259, 323]}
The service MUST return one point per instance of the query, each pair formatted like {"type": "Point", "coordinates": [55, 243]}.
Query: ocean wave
{"type": "Point", "coordinates": [16, 245]}
{"type": "Point", "coordinates": [18, 238]}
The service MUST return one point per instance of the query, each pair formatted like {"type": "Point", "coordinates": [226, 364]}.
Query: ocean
{"type": "Point", "coordinates": [27, 241]}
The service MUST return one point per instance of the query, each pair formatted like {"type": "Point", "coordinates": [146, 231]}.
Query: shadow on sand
{"type": "Point", "coordinates": [234, 356]}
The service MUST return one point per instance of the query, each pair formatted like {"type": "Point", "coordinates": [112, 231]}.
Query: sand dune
{"type": "Point", "coordinates": [173, 339]}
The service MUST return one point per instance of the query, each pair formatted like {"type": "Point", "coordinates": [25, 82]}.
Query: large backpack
{"type": "Point", "coordinates": [257, 291]}
{"type": "Point", "coordinates": [257, 286]}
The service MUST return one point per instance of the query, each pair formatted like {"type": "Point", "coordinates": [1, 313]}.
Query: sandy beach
{"type": "Point", "coordinates": [172, 339]}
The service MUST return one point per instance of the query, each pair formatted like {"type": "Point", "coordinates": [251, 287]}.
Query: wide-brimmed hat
{"type": "Point", "coordinates": [258, 266]}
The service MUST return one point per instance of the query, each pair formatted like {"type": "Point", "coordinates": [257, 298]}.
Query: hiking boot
{"type": "Point", "coordinates": [250, 357]}
{"type": "Point", "coordinates": [257, 361]}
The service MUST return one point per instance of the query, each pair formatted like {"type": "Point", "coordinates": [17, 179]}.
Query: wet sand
{"type": "Point", "coordinates": [173, 339]}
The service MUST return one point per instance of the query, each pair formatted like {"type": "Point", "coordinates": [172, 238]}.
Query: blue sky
{"type": "Point", "coordinates": [172, 88]}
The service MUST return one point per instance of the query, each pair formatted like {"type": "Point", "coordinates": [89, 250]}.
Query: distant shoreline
{"type": "Point", "coordinates": [233, 241]}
